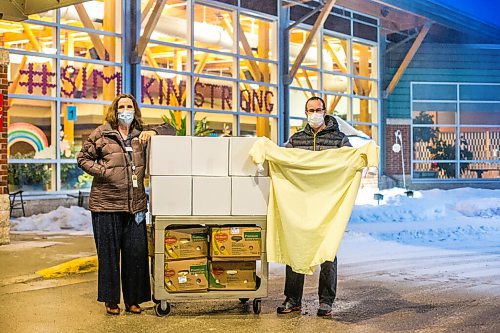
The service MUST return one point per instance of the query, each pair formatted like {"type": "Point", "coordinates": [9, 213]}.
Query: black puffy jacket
{"type": "Point", "coordinates": [328, 138]}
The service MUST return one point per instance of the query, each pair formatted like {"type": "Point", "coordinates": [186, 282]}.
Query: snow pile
{"type": "Point", "coordinates": [60, 220]}
{"type": "Point", "coordinates": [426, 205]}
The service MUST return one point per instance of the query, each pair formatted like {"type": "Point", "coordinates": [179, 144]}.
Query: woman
{"type": "Point", "coordinates": [115, 154]}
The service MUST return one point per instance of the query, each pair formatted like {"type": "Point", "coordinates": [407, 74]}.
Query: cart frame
{"type": "Point", "coordinates": [160, 294]}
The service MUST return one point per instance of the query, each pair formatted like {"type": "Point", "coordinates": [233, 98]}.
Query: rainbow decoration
{"type": "Point", "coordinates": [25, 132]}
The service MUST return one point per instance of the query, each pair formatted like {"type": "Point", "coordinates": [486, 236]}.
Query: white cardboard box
{"type": "Point", "coordinates": [210, 156]}
{"type": "Point", "coordinates": [249, 195]}
{"type": "Point", "coordinates": [240, 163]}
{"type": "Point", "coordinates": [170, 155]}
{"type": "Point", "coordinates": [211, 195]}
{"type": "Point", "coordinates": [170, 195]}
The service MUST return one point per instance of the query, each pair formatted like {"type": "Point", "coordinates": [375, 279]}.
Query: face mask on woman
{"type": "Point", "coordinates": [126, 117]}
{"type": "Point", "coordinates": [315, 120]}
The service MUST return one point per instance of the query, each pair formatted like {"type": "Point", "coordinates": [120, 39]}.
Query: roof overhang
{"type": "Point", "coordinates": [446, 16]}
{"type": "Point", "coordinates": [18, 10]}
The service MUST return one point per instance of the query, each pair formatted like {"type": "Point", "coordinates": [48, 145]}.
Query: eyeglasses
{"type": "Point", "coordinates": [311, 111]}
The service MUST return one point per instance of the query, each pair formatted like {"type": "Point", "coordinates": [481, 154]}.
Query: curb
{"type": "Point", "coordinates": [75, 266]}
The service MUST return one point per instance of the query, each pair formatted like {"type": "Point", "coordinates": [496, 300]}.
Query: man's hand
{"type": "Point", "coordinates": [145, 136]}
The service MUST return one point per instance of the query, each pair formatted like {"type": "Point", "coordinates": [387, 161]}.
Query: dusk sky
{"type": "Point", "coordinates": [486, 10]}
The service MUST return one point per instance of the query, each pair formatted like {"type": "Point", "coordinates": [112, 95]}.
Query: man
{"type": "Point", "coordinates": [321, 132]}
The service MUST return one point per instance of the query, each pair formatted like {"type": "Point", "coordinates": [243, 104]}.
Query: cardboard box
{"type": "Point", "coordinates": [240, 163]}
{"type": "Point", "coordinates": [186, 275]}
{"type": "Point", "coordinates": [232, 275]}
{"type": "Point", "coordinates": [170, 195]}
{"type": "Point", "coordinates": [210, 156]}
{"type": "Point", "coordinates": [150, 234]}
{"type": "Point", "coordinates": [211, 195]}
{"type": "Point", "coordinates": [235, 243]}
{"type": "Point", "coordinates": [249, 195]}
{"type": "Point", "coordinates": [170, 155]}
{"type": "Point", "coordinates": [186, 243]}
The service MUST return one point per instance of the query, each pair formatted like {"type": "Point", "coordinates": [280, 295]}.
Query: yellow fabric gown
{"type": "Point", "coordinates": [311, 197]}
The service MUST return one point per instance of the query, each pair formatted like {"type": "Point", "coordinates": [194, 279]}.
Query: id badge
{"type": "Point", "coordinates": [129, 149]}
{"type": "Point", "coordinates": [135, 183]}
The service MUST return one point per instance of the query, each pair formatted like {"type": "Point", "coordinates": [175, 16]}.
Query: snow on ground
{"type": "Point", "coordinates": [434, 238]}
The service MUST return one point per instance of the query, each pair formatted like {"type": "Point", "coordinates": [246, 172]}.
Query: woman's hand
{"type": "Point", "coordinates": [145, 136]}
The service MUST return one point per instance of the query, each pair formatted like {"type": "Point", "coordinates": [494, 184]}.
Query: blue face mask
{"type": "Point", "coordinates": [126, 117]}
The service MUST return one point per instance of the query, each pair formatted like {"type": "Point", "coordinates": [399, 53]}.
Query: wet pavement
{"type": "Point", "coordinates": [29, 303]}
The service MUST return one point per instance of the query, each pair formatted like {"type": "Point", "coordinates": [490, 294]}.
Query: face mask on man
{"type": "Point", "coordinates": [315, 120]}
{"type": "Point", "coordinates": [126, 117]}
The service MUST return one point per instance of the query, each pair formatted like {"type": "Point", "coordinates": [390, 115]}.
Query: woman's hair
{"type": "Point", "coordinates": [111, 114]}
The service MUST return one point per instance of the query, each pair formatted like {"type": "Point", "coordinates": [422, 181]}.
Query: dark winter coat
{"type": "Point", "coordinates": [328, 138]}
{"type": "Point", "coordinates": [103, 156]}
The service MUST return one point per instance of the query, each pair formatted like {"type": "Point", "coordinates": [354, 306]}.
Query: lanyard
{"type": "Point", "coordinates": [128, 148]}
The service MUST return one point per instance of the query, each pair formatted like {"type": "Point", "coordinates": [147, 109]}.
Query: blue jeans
{"type": "Point", "coordinates": [294, 284]}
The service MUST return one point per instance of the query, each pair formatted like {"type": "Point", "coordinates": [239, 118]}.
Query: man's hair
{"type": "Point", "coordinates": [111, 114]}
{"type": "Point", "coordinates": [316, 98]}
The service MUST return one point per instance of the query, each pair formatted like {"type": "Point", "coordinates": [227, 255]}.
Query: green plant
{"type": "Point", "coordinates": [20, 174]}
{"type": "Point", "coordinates": [440, 149]}
{"type": "Point", "coordinates": [73, 177]}
{"type": "Point", "coordinates": [201, 127]}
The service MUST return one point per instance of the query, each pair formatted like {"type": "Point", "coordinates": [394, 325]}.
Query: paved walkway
{"type": "Point", "coordinates": [30, 303]}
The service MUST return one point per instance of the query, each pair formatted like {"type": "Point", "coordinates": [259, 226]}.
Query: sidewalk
{"type": "Point", "coordinates": [29, 253]}
{"type": "Point", "coordinates": [29, 303]}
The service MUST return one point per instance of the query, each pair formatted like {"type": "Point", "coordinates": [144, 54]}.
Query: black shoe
{"type": "Point", "coordinates": [288, 307]}
{"type": "Point", "coordinates": [324, 310]}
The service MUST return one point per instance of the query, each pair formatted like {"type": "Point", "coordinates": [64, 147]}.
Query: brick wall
{"type": "Point", "coordinates": [392, 159]}
{"type": "Point", "coordinates": [4, 196]}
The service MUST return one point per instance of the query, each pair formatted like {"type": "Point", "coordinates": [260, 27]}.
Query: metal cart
{"type": "Point", "coordinates": [161, 297]}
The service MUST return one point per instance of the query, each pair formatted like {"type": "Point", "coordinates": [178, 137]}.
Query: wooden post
{"type": "Point", "coordinates": [87, 23]}
{"type": "Point", "coordinates": [409, 56]}
{"type": "Point", "coordinates": [262, 125]}
{"type": "Point", "coordinates": [109, 24]}
{"type": "Point", "coordinates": [312, 34]}
{"type": "Point", "coordinates": [150, 26]}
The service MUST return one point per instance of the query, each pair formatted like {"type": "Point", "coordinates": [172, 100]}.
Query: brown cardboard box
{"type": "Point", "coordinates": [151, 240]}
{"type": "Point", "coordinates": [235, 243]}
{"type": "Point", "coordinates": [186, 275]}
{"type": "Point", "coordinates": [232, 275]}
{"type": "Point", "coordinates": [186, 243]}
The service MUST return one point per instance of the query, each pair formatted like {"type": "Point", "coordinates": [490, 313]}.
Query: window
{"type": "Point", "coordinates": [456, 133]}
{"type": "Point", "coordinates": [221, 73]}
{"type": "Point", "coordinates": [64, 74]}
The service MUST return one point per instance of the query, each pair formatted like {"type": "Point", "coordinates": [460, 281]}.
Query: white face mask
{"type": "Point", "coordinates": [315, 120]}
{"type": "Point", "coordinates": [126, 117]}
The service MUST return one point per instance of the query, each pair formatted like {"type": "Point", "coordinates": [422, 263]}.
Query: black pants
{"type": "Point", "coordinates": [115, 233]}
{"type": "Point", "coordinates": [294, 284]}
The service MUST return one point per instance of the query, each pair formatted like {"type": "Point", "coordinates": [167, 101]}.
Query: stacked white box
{"type": "Point", "coordinates": [171, 195]}
{"type": "Point", "coordinates": [249, 195]}
{"type": "Point", "coordinates": [211, 195]}
{"type": "Point", "coordinates": [210, 156]}
{"type": "Point", "coordinates": [170, 155]}
{"type": "Point", "coordinates": [240, 163]}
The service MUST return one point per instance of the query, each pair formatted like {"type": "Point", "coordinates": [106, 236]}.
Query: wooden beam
{"type": "Point", "coordinates": [87, 23]}
{"type": "Point", "coordinates": [253, 67]}
{"type": "Point", "coordinates": [309, 84]}
{"type": "Point", "coordinates": [150, 26]}
{"type": "Point", "coordinates": [406, 61]}
{"type": "Point", "coordinates": [335, 57]}
{"type": "Point", "coordinates": [312, 34]}
{"type": "Point", "coordinates": [334, 104]}
{"type": "Point", "coordinates": [146, 10]}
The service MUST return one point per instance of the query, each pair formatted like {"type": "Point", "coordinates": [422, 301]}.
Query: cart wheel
{"type": "Point", "coordinates": [256, 306]}
{"type": "Point", "coordinates": [155, 300]}
{"type": "Point", "coordinates": [162, 309]}
{"type": "Point", "coordinates": [244, 300]}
